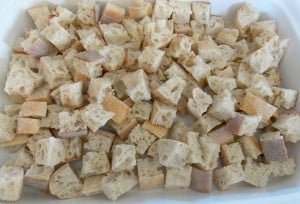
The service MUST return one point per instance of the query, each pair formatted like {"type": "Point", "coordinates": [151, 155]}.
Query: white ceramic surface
{"type": "Point", "coordinates": [13, 21]}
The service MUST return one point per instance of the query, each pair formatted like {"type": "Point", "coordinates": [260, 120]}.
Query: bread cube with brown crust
{"type": "Point", "coordinates": [250, 146]}
{"type": "Point", "coordinates": [99, 141]}
{"type": "Point", "coordinates": [123, 157]}
{"type": "Point", "coordinates": [163, 114]}
{"type": "Point", "coordinates": [157, 130]}
{"type": "Point", "coordinates": [28, 126]}
{"type": "Point", "coordinates": [177, 178]}
{"type": "Point", "coordinates": [94, 163]}
{"type": "Point", "coordinates": [231, 153]}
{"type": "Point", "coordinates": [112, 13]}
{"type": "Point", "coordinates": [201, 180]}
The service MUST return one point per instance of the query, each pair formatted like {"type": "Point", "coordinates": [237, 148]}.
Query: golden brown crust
{"type": "Point", "coordinates": [28, 126]}
{"type": "Point", "coordinates": [157, 130]}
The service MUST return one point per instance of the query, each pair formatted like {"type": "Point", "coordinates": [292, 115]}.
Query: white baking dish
{"type": "Point", "coordinates": [13, 21]}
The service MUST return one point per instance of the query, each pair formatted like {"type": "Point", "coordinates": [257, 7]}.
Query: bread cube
{"type": "Point", "coordinates": [38, 176]}
{"type": "Point", "coordinates": [158, 131]}
{"type": "Point", "coordinates": [12, 109]}
{"type": "Point", "coordinates": [139, 9]}
{"type": "Point", "coordinates": [41, 94]}
{"type": "Point", "coordinates": [181, 11]}
{"type": "Point", "coordinates": [92, 42]}
{"type": "Point", "coordinates": [163, 114]}
{"type": "Point", "coordinates": [11, 183]}
{"type": "Point", "coordinates": [257, 174]}
{"type": "Point", "coordinates": [123, 157]}
{"type": "Point", "coordinates": [71, 94]}
{"type": "Point", "coordinates": [23, 159]}
{"type": "Point", "coordinates": [112, 13]}
{"type": "Point", "coordinates": [250, 146]}
{"type": "Point", "coordinates": [65, 184]}
{"type": "Point", "coordinates": [150, 59]}
{"type": "Point", "coordinates": [52, 118]}
{"type": "Point", "coordinates": [73, 149]}
{"type": "Point", "coordinates": [259, 86]}
{"type": "Point", "coordinates": [178, 177]}
{"type": "Point", "coordinates": [141, 111]}
{"type": "Point", "coordinates": [118, 85]}
{"type": "Point", "coordinates": [40, 16]}
{"type": "Point", "coordinates": [86, 13]}
{"type": "Point", "coordinates": [114, 33]}
{"type": "Point", "coordinates": [7, 126]}
{"type": "Point", "coordinates": [228, 36]}
{"type": "Point", "coordinates": [99, 88]}
{"type": "Point", "coordinates": [124, 128]}
{"type": "Point", "coordinates": [201, 12]}
{"type": "Point", "coordinates": [283, 168]}
{"type": "Point", "coordinates": [221, 135]}
{"type": "Point", "coordinates": [201, 180]}
{"type": "Point", "coordinates": [94, 163]}
{"type": "Point", "coordinates": [131, 59]}
{"type": "Point", "coordinates": [220, 84]}
{"type": "Point", "coordinates": [162, 10]}
{"type": "Point", "coordinates": [245, 17]}
{"type": "Point", "coordinates": [113, 57]}
{"type": "Point", "coordinates": [71, 125]}
{"type": "Point", "coordinates": [183, 29]}
{"type": "Point", "coordinates": [92, 185]}
{"type": "Point", "coordinates": [42, 134]}
{"type": "Point", "coordinates": [99, 141]}
{"type": "Point", "coordinates": [215, 26]}
{"type": "Point", "coordinates": [180, 46]}
{"type": "Point", "coordinates": [207, 49]}
{"type": "Point", "coordinates": [232, 153]}
{"type": "Point", "coordinates": [116, 184]}
{"type": "Point", "coordinates": [178, 131]}
{"type": "Point", "coordinates": [261, 26]}
{"type": "Point", "coordinates": [206, 123]}
{"type": "Point", "coordinates": [63, 16]}
{"type": "Point", "coordinates": [199, 103]}
{"type": "Point", "coordinates": [285, 98]}
{"type": "Point", "coordinates": [192, 141]}
{"type": "Point", "coordinates": [18, 141]}
{"type": "Point", "coordinates": [28, 126]}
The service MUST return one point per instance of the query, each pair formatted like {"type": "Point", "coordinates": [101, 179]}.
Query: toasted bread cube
{"type": "Point", "coordinates": [183, 29]}
{"type": "Point", "coordinates": [52, 118]}
{"type": "Point", "coordinates": [112, 14]}
{"type": "Point", "coordinates": [38, 176]}
{"type": "Point", "coordinates": [123, 157]}
{"type": "Point", "coordinates": [199, 103]}
{"type": "Point", "coordinates": [257, 174]}
{"type": "Point", "coordinates": [139, 10]}
{"type": "Point", "coordinates": [71, 94]}
{"type": "Point", "coordinates": [92, 185]}
{"type": "Point", "coordinates": [87, 64]}
{"type": "Point", "coordinates": [201, 180]}
{"type": "Point", "coordinates": [245, 17]}
{"type": "Point", "coordinates": [273, 146]}
{"type": "Point", "coordinates": [65, 184]}
{"type": "Point", "coordinates": [259, 86]}
{"type": "Point", "coordinates": [250, 146]}
{"type": "Point", "coordinates": [99, 88]}
{"type": "Point", "coordinates": [116, 106]}
{"type": "Point", "coordinates": [163, 114]}
{"type": "Point", "coordinates": [114, 33]}
{"type": "Point", "coordinates": [261, 26]}
{"type": "Point", "coordinates": [192, 141]}
{"type": "Point", "coordinates": [63, 16]}
{"type": "Point", "coordinates": [201, 12]}
{"type": "Point", "coordinates": [283, 168]}
{"type": "Point", "coordinates": [221, 135]}
{"type": "Point", "coordinates": [92, 42]}
{"type": "Point", "coordinates": [99, 141]}
{"type": "Point", "coordinates": [254, 105]}
{"type": "Point", "coordinates": [19, 140]}
{"type": "Point", "coordinates": [124, 128]}
{"type": "Point", "coordinates": [207, 49]}
{"type": "Point", "coordinates": [86, 13]}
{"type": "Point", "coordinates": [178, 177]}
{"type": "Point", "coordinates": [150, 59]}
{"type": "Point", "coordinates": [162, 10]}
{"type": "Point", "coordinates": [131, 59]}
{"type": "Point", "coordinates": [40, 94]}
{"type": "Point", "coordinates": [40, 16]}
{"type": "Point", "coordinates": [158, 131]}
{"type": "Point", "coordinates": [42, 134]}
{"type": "Point", "coordinates": [229, 175]}
{"type": "Point", "coordinates": [28, 126]}
{"type": "Point", "coordinates": [118, 85]}
{"type": "Point", "coordinates": [150, 173]}
{"type": "Point", "coordinates": [285, 98]}
{"type": "Point", "coordinates": [141, 138]}
{"type": "Point", "coordinates": [220, 84]}
{"type": "Point", "coordinates": [228, 36]}
{"type": "Point", "coordinates": [232, 153]}
{"type": "Point", "coordinates": [12, 109]}
{"type": "Point", "coordinates": [173, 153]}
{"type": "Point", "coordinates": [11, 183]}
{"type": "Point", "coordinates": [178, 131]}
{"type": "Point", "coordinates": [180, 46]}
{"type": "Point", "coordinates": [141, 111]}
{"type": "Point", "coordinates": [206, 123]}
{"type": "Point", "coordinates": [181, 11]}
{"type": "Point", "coordinates": [71, 125]}
{"type": "Point", "coordinates": [94, 163]}
{"type": "Point", "coordinates": [244, 75]}
{"type": "Point", "coordinates": [215, 26]}
{"type": "Point", "coordinates": [73, 149]}
{"type": "Point", "coordinates": [243, 124]}
{"type": "Point", "coordinates": [137, 85]}
{"type": "Point", "coordinates": [152, 151]}
{"type": "Point", "coordinates": [7, 126]}
{"type": "Point", "coordinates": [116, 184]}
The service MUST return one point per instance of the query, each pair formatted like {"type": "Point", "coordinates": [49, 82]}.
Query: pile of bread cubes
{"type": "Point", "coordinates": [169, 96]}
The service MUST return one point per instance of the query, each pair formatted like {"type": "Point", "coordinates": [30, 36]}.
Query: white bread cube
{"type": "Point", "coordinates": [201, 180]}
{"type": "Point", "coordinates": [73, 149]}
{"type": "Point", "coordinates": [49, 152]}
{"type": "Point", "coordinates": [229, 175]}
{"type": "Point", "coordinates": [131, 59]}
{"type": "Point", "coordinates": [245, 17]}
{"type": "Point", "coordinates": [94, 163]}
{"type": "Point", "coordinates": [273, 146]}
{"type": "Point", "coordinates": [112, 13]}
{"type": "Point", "coordinates": [11, 183]}
{"type": "Point", "coordinates": [162, 10]}
{"type": "Point", "coordinates": [184, 29]}
{"type": "Point", "coordinates": [99, 141]}
{"type": "Point", "coordinates": [150, 59]}
{"type": "Point", "coordinates": [178, 177]}
{"type": "Point", "coordinates": [116, 184]}
{"type": "Point", "coordinates": [150, 174]}
{"type": "Point", "coordinates": [118, 85]}
{"type": "Point", "coordinates": [199, 103]}
{"type": "Point", "coordinates": [215, 26]}
{"type": "Point", "coordinates": [42, 134]}
{"type": "Point", "coordinates": [141, 111]}
{"type": "Point", "coordinates": [221, 135]}
{"type": "Point", "coordinates": [163, 114]}
{"type": "Point", "coordinates": [99, 88]}
{"type": "Point", "coordinates": [86, 13]}
{"type": "Point", "coordinates": [178, 131]}
{"type": "Point", "coordinates": [152, 151]}
{"type": "Point", "coordinates": [40, 16]}
{"type": "Point", "coordinates": [71, 125]}
{"type": "Point", "coordinates": [242, 48]}
{"type": "Point", "coordinates": [123, 157]}
{"type": "Point", "coordinates": [40, 94]}
{"type": "Point", "coordinates": [243, 124]}
{"type": "Point", "coordinates": [95, 116]}
{"type": "Point", "coordinates": [206, 123]}
{"type": "Point", "coordinates": [54, 70]}
{"type": "Point", "coordinates": [113, 57]}
{"type": "Point", "coordinates": [170, 91]}
{"type": "Point", "coordinates": [259, 86]}
{"type": "Point", "coordinates": [28, 126]}
{"type": "Point", "coordinates": [250, 146]}
{"type": "Point", "coordinates": [201, 12]}
{"type": "Point", "coordinates": [58, 36]}
{"type": "Point", "coordinates": [33, 109]}
{"type": "Point", "coordinates": [285, 98]}
{"type": "Point", "coordinates": [23, 159]}
{"type": "Point", "coordinates": [52, 118]}
{"type": "Point", "coordinates": [141, 138]}
{"type": "Point", "coordinates": [63, 16]}
{"type": "Point", "coordinates": [220, 84]}
{"type": "Point", "coordinates": [157, 130]}
{"type": "Point", "coordinates": [65, 184]}
{"type": "Point", "coordinates": [192, 141]}
{"type": "Point", "coordinates": [18, 142]}
{"type": "Point", "coordinates": [114, 33]}
{"type": "Point", "coordinates": [139, 9]}
{"type": "Point", "coordinates": [232, 153]}
{"type": "Point", "coordinates": [92, 42]}
{"type": "Point", "coordinates": [207, 49]}
{"type": "Point", "coordinates": [12, 109]}
{"type": "Point", "coordinates": [261, 26]}
{"type": "Point", "coordinates": [181, 11]}
{"type": "Point", "coordinates": [137, 85]}
{"type": "Point", "coordinates": [38, 176]}
{"type": "Point", "coordinates": [244, 75]}
{"type": "Point", "coordinates": [7, 126]}
{"type": "Point", "coordinates": [23, 60]}
{"type": "Point", "coordinates": [173, 153]}
{"type": "Point", "coordinates": [135, 31]}
{"type": "Point", "coordinates": [180, 46]}
{"type": "Point", "coordinates": [116, 106]}
{"type": "Point", "coordinates": [92, 185]}
{"type": "Point", "coordinates": [228, 36]}
{"type": "Point", "coordinates": [71, 94]}
{"type": "Point", "coordinates": [284, 168]}
{"type": "Point", "coordinates": [124, 128]}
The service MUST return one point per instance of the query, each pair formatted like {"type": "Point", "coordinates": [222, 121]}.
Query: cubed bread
{"type": "Point", "coordinates": [162, 10]}
{"type": "Point", "coordinates": [285, 98]}
{"type": "Point", "coordinates": [23, 159]}
{"type": "Point", "coordinates": [201, 12]}
{"type": "Point", "coordinates": [178, 131]}
{"type": "Point", "coordinates": [257, 174]}
{"type": "Point", "coordinates": [95, 116]}
{"type": "Point", "coordinates": [260, 87]}
{"type": "Point", "coordinates": [73, 149]}
{"type": "Point", "coordinates": [175, 70]}
{"type": "Point", "coordinates": [11, 109]}
{"type": "Point", "coordinates": [135, 32]}
{"type": "Point", "coordinates": [199, 103]}
{"type": "Point", "coordinates": [170, 91]}
{"type": "Point", "coordinates": [150, 59]}
{"type": "Point", "coordinates": [207, 49]}
{"type": "Point", "coordinates": [137, 85]}
{"type": "Point", "coordinates": [116, 106]}
{"type": "Point", "coordinates": [283, 168]}
{"type": "Point", "coordinates": [229, 175]}
{"type": "Point", "coordinates": [54, 70]}
{"type": "Point", "coordinates": [253, 105]}
{"type": "Point", "coordinates": [123, 157]}
{"type": "Point", "coordinates": [139, 9]}
{"type": "Point", "coordinates": [112, 13]}
{"type": "Point", "coordinates": [99, 88]}
{"type": "Point", "coordinates": [192, 141]}
{"type": "Point", "coordinates": [49, 152]}
{"type": "Point", "coordinates": [181, 11]}
{"type": "Point", "coordinates": [131, 59]}
{"type": "Point", "coordinates": [288, 125]}
{"type": "Point", "coordinates": [40, 16]}
{"type": "Point", "coordinates": [38, 176]}
{"type": "Point", "coordinates": [116, 184]}
{"type": "Point", "coordinates": [114, 33]}
{"type": "Point", "coordinates": [232, 153]}
{"type": "Point", "coordinates": [215, 26]}
{"type": "Point", "coordinates": [244, 75]}
{"type": "Point", "coordinates": [273, 146]}
{"type": "Point", "coordinates": [206, 123]}
{"type": "Point", "coordinates": [113, 57]}
{"type": "Point", "coordinates": [99, 141]}
{"type": "Point", "coordinates": [242, 48]}
{"type": "Point", "coordinates": [157, 130]}
{"type": "Point", "coordinates": [220, 84]}
{"type": "Point", "coordinates": [201, 180]}
{"type": "Point", "coordinates": [250, 146]}
{"type": "Point", "coordinates": [71, 125]}
{"type": "Point", "coordinates": [124, 128]}
{"type": "Point", "coordinates": [33, 109]}
{"type": "Point", "coordinates": [243, 124]}
{"type": "Point", "coordinates": [178, 177]}
{"type": "Point", "coordinates": [141, 138]}
{"type": "Point", "coordinates": [7, 127]}
{"type": "Point", "coordinates": [173, 153]}
{"type": "Point", "coordinates": [150, 174]}
{"type": "Point", "coordinates": [141, 111]}
{"type": "Point", "coordinates": [163, 114]}
{"type": "Point", "coordinates": [18, 141]}
{"type": "Point", "coordinates": [221, 135]}
{"type": "Point", "coordinates": [92, 185]}
{"type": "Point", "coordinates": [94, 163]}
{"type": "Point", "coordinates": [65, 184]}
{"type": "Point", "coordinates": [152, 151]}
{"type": "Point", "coordinates": [92, 42]}
{"type": "Point", "coordinates": [245, 17]}
{"type": "Point", "coordinates": [261, 26]}
{"type": "Point", "coordinates": [28, 126]}
{"type": "Point", "coordinates": [63, 16]}
{"type": "Point", "coordinates": [71, 94]}
{"type": "Point", "coordinates": [42, 134]}
{"type": "Point", "coordinates": [184, 29]}
{"type": "Point", "coordinates": [11, 183]}
{"type": "Point", "coordinates": [180, 46]}
{"type": "Point", "coordinates": [52, 118]}
{"type": "Point", "coordinates": [228, 36]}
{"type": "Point", "coordinates": [118, 85]}
{"type": "Point", "coordinates": [86, 13]}
{"type": "Point", "coordinates": [40, 94]}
